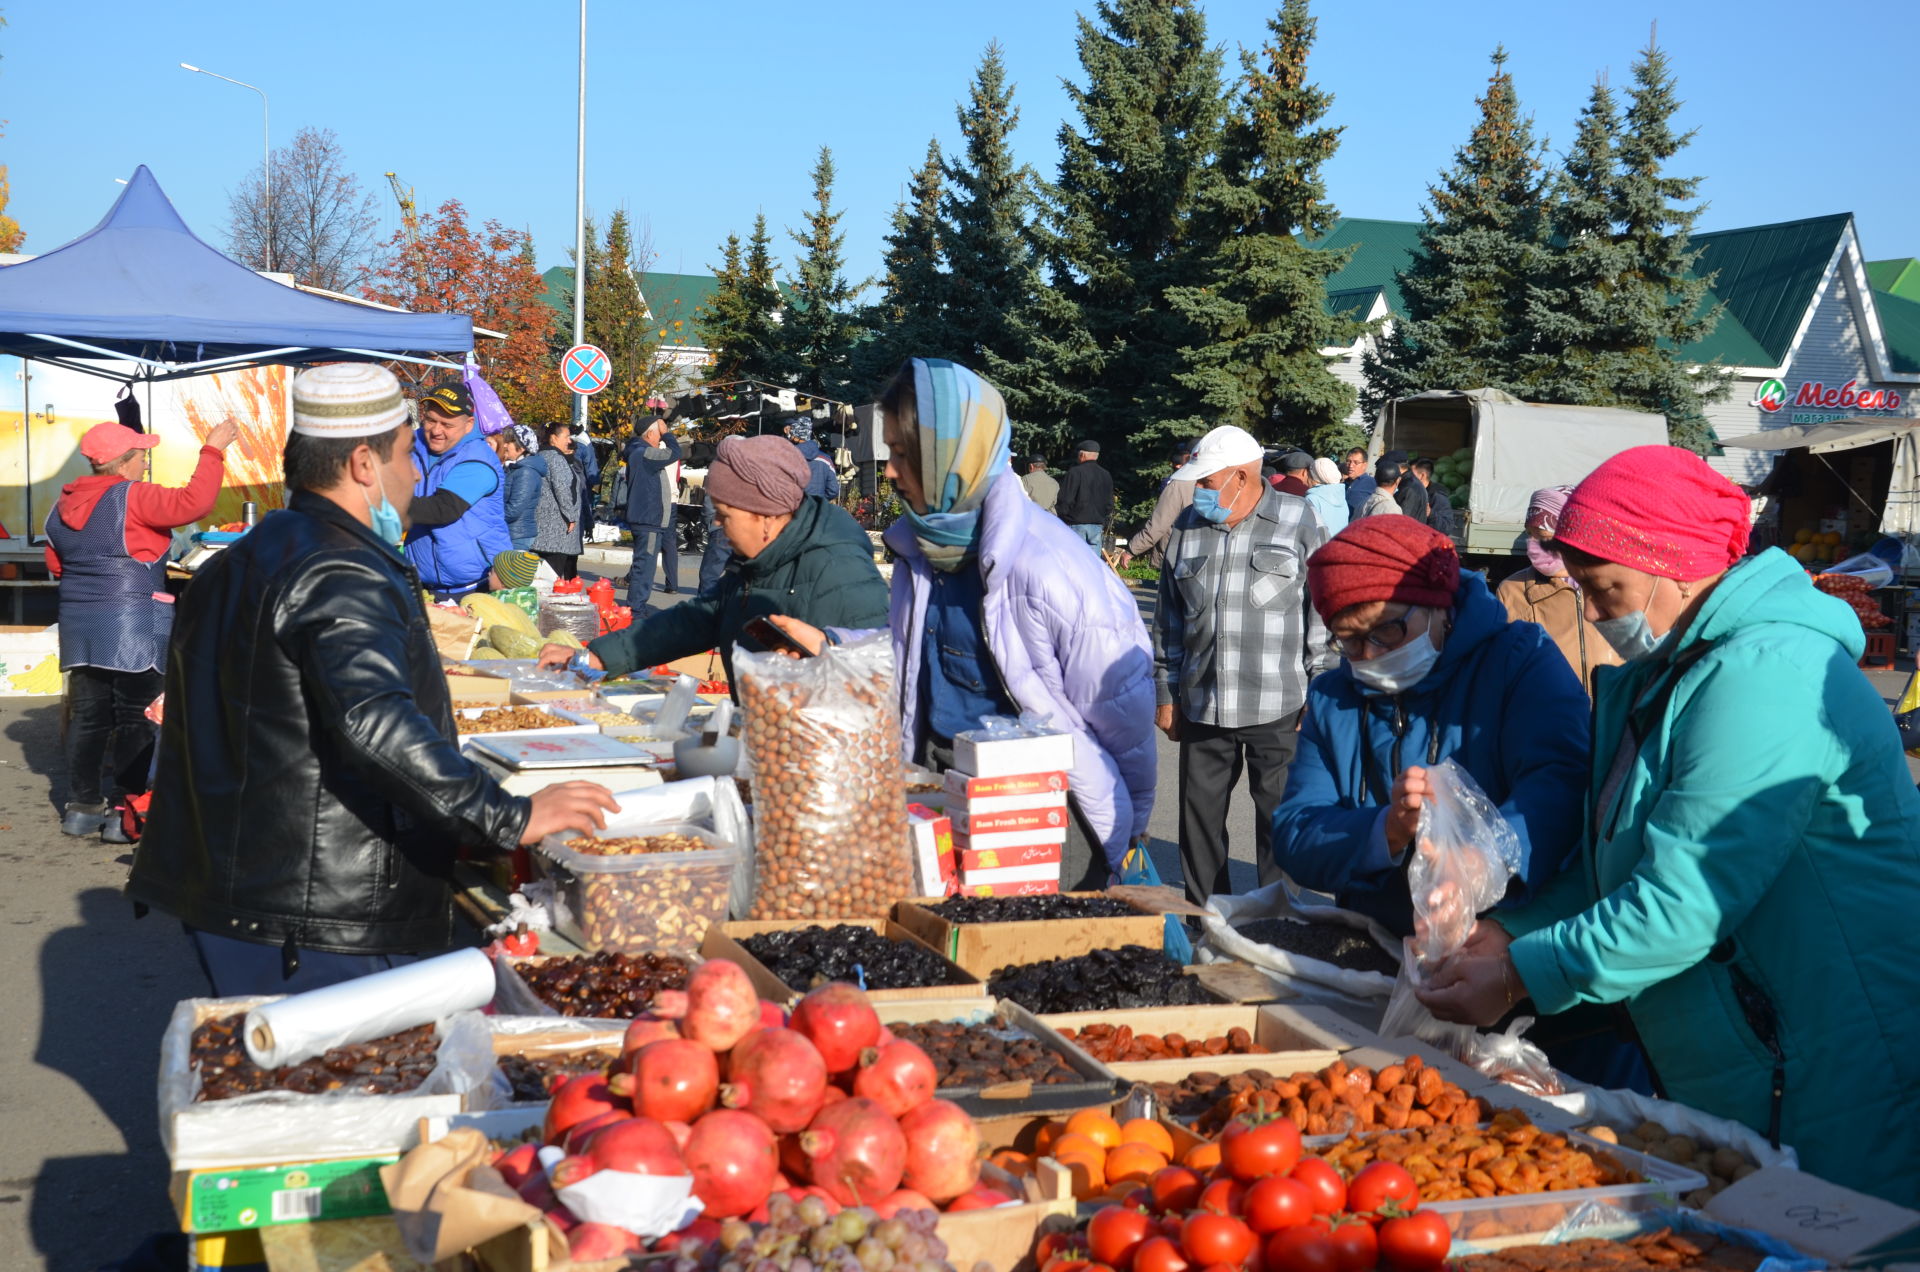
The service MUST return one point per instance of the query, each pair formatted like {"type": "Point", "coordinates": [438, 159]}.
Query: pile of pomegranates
{"type": "Point", "coordinates": [714, 1084]}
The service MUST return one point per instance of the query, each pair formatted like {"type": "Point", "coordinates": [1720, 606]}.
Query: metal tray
{"type": "Point", "coordinates": [1099, 1085]}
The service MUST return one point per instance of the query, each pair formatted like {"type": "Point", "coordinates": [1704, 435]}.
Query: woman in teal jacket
{"type": "Point", "coordinates": [1750, 884]}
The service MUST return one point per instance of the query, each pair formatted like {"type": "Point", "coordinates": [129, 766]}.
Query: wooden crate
{"type": "Point", "coordinates": [723, 941]}
{"type": "Point", "coordinates": [1293, 1045]}
{"type": "Point", "coordinates": [985, 948]}
{"type": "Point", "coordinates": [1004, 1237]}
{"type": "Point", "coordinates": [1095, 1089]}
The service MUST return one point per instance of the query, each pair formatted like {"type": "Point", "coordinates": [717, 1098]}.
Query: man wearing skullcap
{"type": "Point", "coordinates": [312, 796]}
{"type": "Point", "coordinates": [821, 479]}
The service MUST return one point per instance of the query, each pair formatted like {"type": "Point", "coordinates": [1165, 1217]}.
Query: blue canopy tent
{"type": "Point", "coordinates": [140, 288]}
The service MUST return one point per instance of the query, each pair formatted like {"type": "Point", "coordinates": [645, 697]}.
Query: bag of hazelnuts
{"type": "Point", "coordinates": [830, 809]}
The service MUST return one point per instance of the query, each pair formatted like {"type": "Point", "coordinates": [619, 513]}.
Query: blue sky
{"type": "Point", "coordinates": [701, 114]}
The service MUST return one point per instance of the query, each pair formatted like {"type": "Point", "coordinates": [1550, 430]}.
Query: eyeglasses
{"type": "Point", "coordinates": [1383, 637]}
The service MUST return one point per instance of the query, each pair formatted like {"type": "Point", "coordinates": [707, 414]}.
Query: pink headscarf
{"type": "Point", "coordinates": [1660, 510]}
{"type": "Point", "coordinates": [1543, 510]}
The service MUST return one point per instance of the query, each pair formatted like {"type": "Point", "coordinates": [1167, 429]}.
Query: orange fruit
{"type": "Point", "coordinates": [1044, 1137]}
{"type": "Point", "coordinates": [1088, 1170]}
{"type": "Point", "coordinates": [1144, 1130]}
{"type": "Point", "coordinates": [1074, 1142]}
{"type": "Point", "coordinates": [1202, 1157]}
{"type": "Point", "coordinates": [1134, 1163]}
{"type": "Point", "coordinates": [1096, 1126]}
{"type": "Point", "coordinates": [1014, 1163]}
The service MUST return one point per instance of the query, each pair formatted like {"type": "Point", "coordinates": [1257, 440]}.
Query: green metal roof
{"type": "Point", "coordinates": [1900, 324]}
{"type": "Point", "coordinates": [1896, 277]}
{"type": "Point", "coordinates": [1353, 302]}
{"type": "Point", "coordinates": [1381, 250]}
{"type": "Point", "coordinates": [672, 299]}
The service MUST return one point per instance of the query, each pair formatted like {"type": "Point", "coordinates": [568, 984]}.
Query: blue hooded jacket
{"type": "Point", "coordinates": [525, 480]}
{"type": "Point", "coordinates": [1501, 702]}
{"type": "Point", "coordinates": [821, 479]}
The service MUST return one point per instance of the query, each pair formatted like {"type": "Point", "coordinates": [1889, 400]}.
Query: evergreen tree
{"type": "Point", "coordinates": [1263, 305]}
{"type": "Point", "coordinates": [721, 315]}
{"type": "Point", "coordinates": [739, 321]}
{"type": "Point", "coordinates": [1120, 230]}
{"type": "Point", "coordinates": [617, 322]}
{"type": "Point", "coordinates": [988, 243]}
{"type": "Point", "coordinates": [908, 319]}
{"type": "Point", "coordinates": [818, 331]}
{"type": "Point", "coordinates": [1480, 253]}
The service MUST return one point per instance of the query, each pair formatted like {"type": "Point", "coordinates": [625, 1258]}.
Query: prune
{"type": "Point", "coordinates": [1031, 909]}
{"type": "Point", "coordinates": [603, 986]}
{"type": "Point", "coordinates": [970, 1055]}
{"type": "Point", "coordinates": [808, 956]}
{"type": "Point", "coordinates": [1100, 980]}
{"type": "Point", "coordinates": [385, 1066]}
{"type": "Point", "coordinates": [534, 1077]}
{"type": "Point", "coordinates": [1329, 942]}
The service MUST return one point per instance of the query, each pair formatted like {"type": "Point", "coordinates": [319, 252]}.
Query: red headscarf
{"type": "Point", "coordinates": [1659, 509]}
{"type": "Point", "coordinates": [1385, 557]}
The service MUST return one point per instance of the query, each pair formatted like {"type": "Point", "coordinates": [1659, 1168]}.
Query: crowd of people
{"type": "Point", "coordinates": [1719, 835]}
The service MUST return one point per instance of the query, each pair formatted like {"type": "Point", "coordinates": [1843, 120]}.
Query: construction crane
{"type": "Point", "coordinates": [410, 227]}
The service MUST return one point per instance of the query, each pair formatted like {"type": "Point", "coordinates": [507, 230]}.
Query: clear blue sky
{"type": "Point", "coordinates": [700, 114]}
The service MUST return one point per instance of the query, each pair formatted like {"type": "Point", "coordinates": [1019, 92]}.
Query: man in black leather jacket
{"type": "Point", "coordinates": [311, 793]}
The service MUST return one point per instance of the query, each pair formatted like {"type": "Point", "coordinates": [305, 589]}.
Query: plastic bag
{"type": "Point", "coordinates": [1626, 1110]}
{"type": "Point", "coordinates": [489, 415]}
{"type": "Point", "coordinates": [830, 803]}
{"type": "Point", "coordinates": [1464, 854]}
{"type": "Point", "coordinates": [1509, 1058]}
{"type": "Point", "coordinates": [1873, 569]}
{"type": "Point", "coordinates": [1137, 870]}
{"type": "Point", "coordinates": [1275, 902]}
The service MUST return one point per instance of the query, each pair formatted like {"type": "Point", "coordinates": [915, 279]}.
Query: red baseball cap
{"type": "Point", "coordinates": [108, 441]}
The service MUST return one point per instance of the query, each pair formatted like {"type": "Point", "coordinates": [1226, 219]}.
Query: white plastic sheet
{"type": "Point", "coordinates": [1225, 912]}
{"type": "Point", "coordinates": [1629, 1109]}
{"type": "Point", "coordinates": [289, 1030]}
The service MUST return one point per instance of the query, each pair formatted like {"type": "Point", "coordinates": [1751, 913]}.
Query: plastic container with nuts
{"type": "Point", "coordinates": [656, 889]}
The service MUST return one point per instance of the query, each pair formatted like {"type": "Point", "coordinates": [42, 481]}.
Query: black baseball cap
{"type": "Point", "coordinates": [449, 399]}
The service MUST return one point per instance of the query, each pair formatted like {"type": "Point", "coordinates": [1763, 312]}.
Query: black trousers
{"type": "Point", "coordinates": [1211, 761]}
{"type": "Point", "coordinates": [108, 713]}
{"type": "Point", "coordinates": [565, 564]}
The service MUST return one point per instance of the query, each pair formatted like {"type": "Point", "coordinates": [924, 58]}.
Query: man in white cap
{"type": "Point", "coordinates": [311, 793]}
{"type": "Point", "coordinates": [1234, 643]}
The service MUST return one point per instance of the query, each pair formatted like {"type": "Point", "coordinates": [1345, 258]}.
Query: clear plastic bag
{"type": "Point", "coordinates": [1875, 571]}
{"type": "Point", "coordinates": [1464, 854]}
{"type": "Point", "coordinates": [830, 805]}
{"type": "Point", "coordinates": [1510, 1058]}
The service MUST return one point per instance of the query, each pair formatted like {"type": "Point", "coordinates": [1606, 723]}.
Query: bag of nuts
{"type": "Point", "coordinates": [829, 800]}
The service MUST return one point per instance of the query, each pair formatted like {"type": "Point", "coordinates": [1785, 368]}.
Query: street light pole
{"type": "Point", "coordinates": [266, 149]}
{"type": "Point", "coordinates": [580, 225]}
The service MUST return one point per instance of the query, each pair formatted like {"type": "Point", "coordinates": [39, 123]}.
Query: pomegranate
{"type": "Point", "coordinates": [569, 1171]}
{"type": "Point", "coordinates": [638, 1146]}
{"type": "Point", "coordinates": [896, 1075]}
{"type": "Point", "coordinates": [856, 1150]}
{"type": "Point", "coordinates": [901, 1199]}
{"type": "Point", "coordinates": [943, 1150]}
{"type": "Point", "coordinates": [519, 1165]}
{"type": "Point", "coordinates": [579, 1135]}
{"type": "Point", "coordinates": [673, 1080]}
{"type": "Point", "coordinates": [574, 1101]}
{"type": "Point", "coordinates": [646, 1027]}
{"type": "Point", "coordinates": [732, 1157]}
{"type": "Point", "coordinates": [772, 1015]}
{"type": "Point", "coordinates": [537, 1192]}
{"type": "Point", "coordinates": [670, 1004]}
{"type": "Point", "coordinates": [679, 1131]}
{"type": "Point", "coordinates": [978, 1199]}
{"type": "Point", "coordinates": [776, 1075]}
{"type": "Point", "coordinates": [594, 1241]}
{"type": "Point", "coordinates": [722, 1007]}
{"type": "Point", "coordinates": [838, 1020]}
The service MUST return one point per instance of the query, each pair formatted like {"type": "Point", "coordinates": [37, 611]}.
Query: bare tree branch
{"type": "Point", "coordinates": [323, 224]}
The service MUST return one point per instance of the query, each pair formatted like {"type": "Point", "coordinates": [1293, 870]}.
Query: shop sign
{"type": "Point", "coordinates": [1815, 403]}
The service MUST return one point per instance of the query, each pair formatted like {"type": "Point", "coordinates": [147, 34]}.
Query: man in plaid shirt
{"type": "Point", "coordinates": [1234, 644]}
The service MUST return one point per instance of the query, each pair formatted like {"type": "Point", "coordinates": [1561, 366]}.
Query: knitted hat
{"type": "Point", "coordinates": [800, 430]}
{"type": "Point", "coordinates": [758, 474]}
{"type": "Point", "coordinates": [1385, 558]}
{"type": "Point", "coordinates": [347, 399]}
{"type": "Point", "coordinates": [1326, 472]}
{"type": "Point", "coordinates": [516, 569]}
{"type": "Point", "coordinates": [1659, 509]}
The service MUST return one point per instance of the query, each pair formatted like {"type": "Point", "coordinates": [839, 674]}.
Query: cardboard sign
{"type": "Point", "coordinates": [1819, 1218]}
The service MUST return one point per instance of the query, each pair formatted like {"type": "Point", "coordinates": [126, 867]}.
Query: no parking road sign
{"type": "Point", "coordinates": [585, 369]}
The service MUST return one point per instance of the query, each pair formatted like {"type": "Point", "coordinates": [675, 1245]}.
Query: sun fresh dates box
{"type": "Point", "coordinates": [977, 825]}
{"type": "Point", "coordinates": [985, 753]}
{"type": "Point", "coordinates": [931, 836]}
{"type": "Point", "coordinates": [1026, 853]}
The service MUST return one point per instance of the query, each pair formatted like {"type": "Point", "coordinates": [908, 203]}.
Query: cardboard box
{"type": "Point", "coordinates": [977, 824]}
{"type": "Point", "coordinates": [1293, 1045]}
{"type": "Point", "coordinates": [963, 843]}
{"type": "Point", "coordinates": [1822, 1219]}
{"type": "Point", "coordinates": [235, 1198]}
{"type": "Point", "coordinates": [1039, 888]}
{"type": "Point", "coordinates": [491, 691]}
{"type": "Point", "coordinates": [723, 941]}
{"type": "Point", "coordinates": [931, 836]}
{"type": "Point", "coordinates": [1046, 872]}
{"type": "Point", "coordinates": [1012, 756]}
{"type": "Point", "coordinates": [984, 948]}
{"type": "Point", "coordinates": [974, 792]}
{"type": "Point", "coordinates": [1094, 1089]}
{"type": "Point", "coordinates": [1023, 853]}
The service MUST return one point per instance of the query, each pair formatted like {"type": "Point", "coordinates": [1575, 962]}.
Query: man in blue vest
{"type": "Point", "coordinates": [459, 519]}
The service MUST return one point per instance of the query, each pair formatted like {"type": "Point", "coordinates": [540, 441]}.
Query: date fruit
{"type": "Point", "coordinates": [974, 1055]}
{"type": "Point", "coordinates": [1099, 980]}
{"type": "Point", "coordinates": [391, 1065]}
{"type": "Point", "coordinates": [603, 986]}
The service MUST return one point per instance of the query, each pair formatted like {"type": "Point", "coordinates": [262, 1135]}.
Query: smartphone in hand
{"type": "Point", "coordinates": [771, 638]}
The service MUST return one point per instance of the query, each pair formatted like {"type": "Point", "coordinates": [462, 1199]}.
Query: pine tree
{"type": "Point", "coordinates": [1119, 232]}
{"type": "Point", "coordinates": [909, 318]}
{"type": "Point", "coordinates": [1480, 252]}
{"type": "Point", "coordinates": [988, 243]}
{"type": "Point", "coordinates": [1263, 305]}
{"type": "Point", "coordinates": [739, 320]}
{"type": "Point", "coordinates": [818, 332]}
{"type": "Point", "coordinates": [720, 315]}
{"type": "Point", "coordinates": [1661, 303]}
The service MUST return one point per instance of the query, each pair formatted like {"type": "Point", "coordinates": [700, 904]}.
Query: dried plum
{"type": "Point", "coordinates": [1333, 943]}
{"type": "Point", "coordinates": [973, 1055]}
{"type": "Point", "coordinates": [808, 956]}
{"type": "Point", "coordinates": [1031, 909]}
{"type": "Point", "coordinates": [1100, 980]}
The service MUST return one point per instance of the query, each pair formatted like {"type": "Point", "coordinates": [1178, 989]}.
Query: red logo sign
{"type": "Point", "coordinates": [1846, 398]}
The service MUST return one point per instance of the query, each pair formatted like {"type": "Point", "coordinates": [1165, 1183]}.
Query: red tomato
{"type": "Point", "coordinates": [1174, 1188]}
{"type": "Point", "coordinates": [1116, 1233]}
{"type": "Point", "coordinates": [1051, 1245]}
{"type": "Point", "coordinates": [1210, 1238]}
{"type": "Point", "coordinates": [1171, 1226]}
{"type": "Point", "coordinates": [1275, 1203]}
{"type": "Point", "coordinates": [1356, 1243]}
{"type": "Point", "coordinates": [1329, 1191]}
{"type": "Point", "coordinates": [1377, 1185]}
{"type": "Point", "coordinates": [1307, 1248]}
{"type": "Point", "coordinates": [1254, 1150]}
{"type": "Point", "coordinates": [1140, 1198]}
{"type": "Point", "coordinates": [1415, 1243]}
{"type": "Point", "coordinates": [1222, 1197]}
{"type": "Point", "coordinates": [1159, 1254]}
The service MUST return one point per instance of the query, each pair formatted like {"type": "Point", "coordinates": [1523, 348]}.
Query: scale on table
{"type": "Point", "coordinates": [528, 763]}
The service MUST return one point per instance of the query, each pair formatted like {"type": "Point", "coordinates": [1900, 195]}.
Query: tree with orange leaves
{"type": "Point", "coordinates": [489, 275]}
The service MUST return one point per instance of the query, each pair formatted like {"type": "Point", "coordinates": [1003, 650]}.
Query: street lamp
{"type": "Point", "coordinates": [266, 150]}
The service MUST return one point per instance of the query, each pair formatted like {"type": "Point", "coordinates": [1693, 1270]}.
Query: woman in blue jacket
{"type": "Point", "coordinates": [526, 476]}
{"type": "Point", "coordinates": [1750, 885]}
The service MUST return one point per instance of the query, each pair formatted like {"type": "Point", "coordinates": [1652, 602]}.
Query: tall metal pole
{"type": "Point", "coordinates": [266, 147]}
{"type": "Point", "coordinates": [580, 228]}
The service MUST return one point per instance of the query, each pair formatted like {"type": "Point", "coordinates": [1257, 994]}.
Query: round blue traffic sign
{"type": "Point", "coordinates": [585, 369]}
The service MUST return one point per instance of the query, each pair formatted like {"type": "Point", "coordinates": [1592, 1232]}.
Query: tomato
{"type": "Point", "coordinates": [1210, 1238]}
{"type": "Point", "coordinates": [1356, 1243]}
{"type": "Point", "coordinates": [1141, 1198]}
{"type": "Point", "coordinates": [1222, 1197]}
{"type": "Point", "coordinates": [1159, 1254]}
{"type": "Point", "coordinates": [1323, 1182]}
{"type": "Point", "coordinates": [1275, 1203]}
{"type": "Point", "coordinates": [1307, 1248]}
{"type": "Point", "coordinates": [1378, 1184]}
{"type": "Point", "coordinates": [1253, 1150]}
{"type": "Point", "coordinates": [1116, 1233]}
{"type": "Point", "coordinates": [1174, 1188]}
{"type": "Point", "coordinates": [1172, 1225]}
{"type": "Point", "coordinates": [1415, 1243]}
{"type": "Point", "coordinates": [1054, 1244]}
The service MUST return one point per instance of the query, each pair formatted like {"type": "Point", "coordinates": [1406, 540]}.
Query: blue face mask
{"type": "Point", "coordinates": [1631, 635]}
{"type": "Point", "coordinates": [386, 519]}
{"type": "Point", "coordinates": [1207, 506]}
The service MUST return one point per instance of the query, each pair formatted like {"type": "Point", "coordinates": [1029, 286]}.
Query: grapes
{"type": "Point", "coordinates": [735, 1233]}
{"type": "Point", "coordinates": [804, 1237]}
{"type": "Point", "coordinates": [813, 1212]}
{"type": "Point", "coordinates": [851, 1225]}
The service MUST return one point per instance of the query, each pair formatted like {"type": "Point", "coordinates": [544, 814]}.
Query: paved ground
{"type": "Point", "coordinates": [93, 987]}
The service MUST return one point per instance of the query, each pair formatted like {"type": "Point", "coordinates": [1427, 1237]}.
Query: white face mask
{"type": "Point", "coordinates": [1631, 635]}
{"type": "Point", "coordinates": [1399, 669]}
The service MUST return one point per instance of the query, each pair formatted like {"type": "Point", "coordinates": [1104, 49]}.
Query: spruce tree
{"type": "Point", "coordinates": [908, 318]}
{"type": "Point", "coordinates": [1263, 305]}
{"type": "Point", "coordinates": [1661, 303]}
{"type": "Point", "coordinates": [818, 332]}
{"type": "Point", "coordinates": [1120, 230]}
{"type": "Point", "coordinates": [618, 324]}
{"type": "Point", "coordinates": [1480, 252]}
{"type": "Point", "coordinates": [764, 340]}
{"type": "Point", "coordinates": [722, 315]}
{"type": "Point", "coordinates": [738, 321]}
{"type": "Point", "coordinates": [988, 243]}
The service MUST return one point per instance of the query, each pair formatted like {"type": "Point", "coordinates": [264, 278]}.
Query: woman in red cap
{"type": "Point", "coordinates": [1751, 881]}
